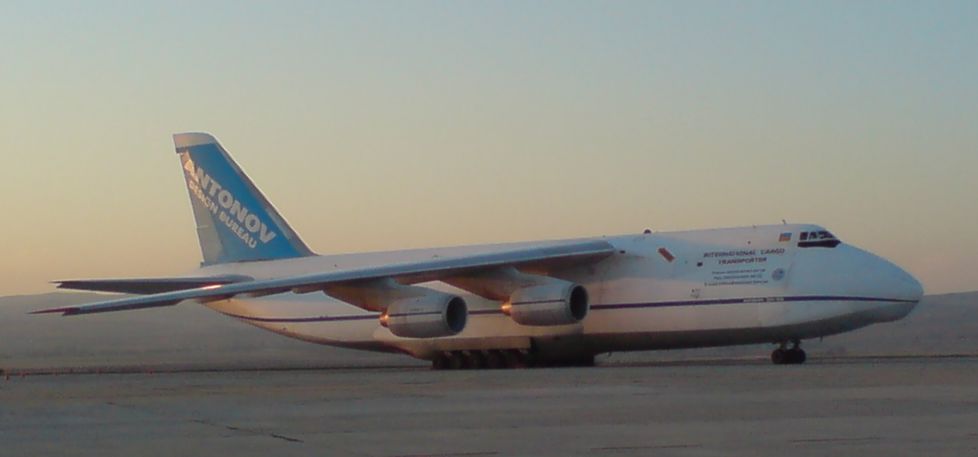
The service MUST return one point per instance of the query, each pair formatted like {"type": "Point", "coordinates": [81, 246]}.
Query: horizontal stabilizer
{"type": "Point", "coordinates": [144, 286]}
{"type": "Point", "coordinates": [106, 307]}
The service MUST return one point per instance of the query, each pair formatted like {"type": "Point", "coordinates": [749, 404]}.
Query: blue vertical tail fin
{"type": "Point", "coordinates": [235, 222]}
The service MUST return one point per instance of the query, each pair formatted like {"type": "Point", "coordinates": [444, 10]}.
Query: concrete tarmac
{"type": "Point", "coordinates": [865, 407]}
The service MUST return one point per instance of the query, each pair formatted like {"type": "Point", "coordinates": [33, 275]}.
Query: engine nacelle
{"type": "Point", "coordinates": [427, 316]}
{"type": "Point", "coordinates": [554, 303]}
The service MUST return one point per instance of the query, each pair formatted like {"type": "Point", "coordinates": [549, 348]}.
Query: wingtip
{"type": "Point", "coordinates": [66, 311]}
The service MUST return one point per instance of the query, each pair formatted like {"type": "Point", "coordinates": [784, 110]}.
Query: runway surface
{"type": "Point", "coordinates": [893, 406]}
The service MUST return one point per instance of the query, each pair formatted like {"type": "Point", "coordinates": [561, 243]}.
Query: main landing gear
{"type": "Point", "coordinates": [789, 356]}
{"type": "Point", "coordinates": [457, 360]}
{"type": "Point", "coordinates": [502, 358]}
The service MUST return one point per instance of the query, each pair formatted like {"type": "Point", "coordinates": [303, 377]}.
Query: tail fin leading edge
{"type": "Point", "coordinates": [235, 222]}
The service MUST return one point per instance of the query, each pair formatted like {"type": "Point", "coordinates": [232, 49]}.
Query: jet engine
{"type": "Point", "coordinates": [427, 316]}
{"type": "Point", "coordinates": [554, 303]}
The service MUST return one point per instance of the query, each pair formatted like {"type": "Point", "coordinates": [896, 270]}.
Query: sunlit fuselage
{"type": "Point", "coordinates": [660, 290]}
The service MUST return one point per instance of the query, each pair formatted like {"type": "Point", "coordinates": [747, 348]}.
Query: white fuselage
{"type": "Point", "coordinates": [662, 290]}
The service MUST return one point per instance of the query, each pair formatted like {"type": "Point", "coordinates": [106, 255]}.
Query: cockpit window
{"type": "Point", "coordinates": [817, 239]}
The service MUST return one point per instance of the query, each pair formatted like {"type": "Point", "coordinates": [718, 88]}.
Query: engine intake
{"type": "Point", "coordinates": [428, 316]}
{"type": "Point", "coordinates": [555, 303]}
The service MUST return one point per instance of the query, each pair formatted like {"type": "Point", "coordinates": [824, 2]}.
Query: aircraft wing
{"type": "Point", "coordinates": [550, 256]}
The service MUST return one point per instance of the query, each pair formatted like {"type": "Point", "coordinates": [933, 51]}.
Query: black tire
{"type": "Point", "coordinates": [586, 361]}
{"type": "Point", "coordinates": [515, 359]}
{"type": "Point", "coordinates": [456, 360]}
{"type": "Point", "coordinates": [779, 356]}
{"type": "Point", "coordinates": [494, 360]}
{"type": "Point", "coordinates": [440, 362]}
{"type": "Point", "coordinates": [791, 356]}
{"type": "Point", "coordinates": [800, 356]}
{"type": "Point", "coordinates": [475, 361]}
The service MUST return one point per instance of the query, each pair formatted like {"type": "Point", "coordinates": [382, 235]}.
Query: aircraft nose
{"type": "Point", "coordinates": [910, 288]}
{"type": "Point", "coordinates": [887, 292]}
{"type": "Point", "coordinates": [906, 292]}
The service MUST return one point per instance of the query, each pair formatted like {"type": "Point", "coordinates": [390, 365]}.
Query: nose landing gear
{"type": "Point", "coordinates": [789, 356]}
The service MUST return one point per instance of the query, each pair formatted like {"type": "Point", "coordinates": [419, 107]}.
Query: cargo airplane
{"type": "Point", "coordinates": [520, 304]}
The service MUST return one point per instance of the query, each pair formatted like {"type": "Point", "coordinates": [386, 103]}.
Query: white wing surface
{"type": "Point", "coordinates": [547, 257]}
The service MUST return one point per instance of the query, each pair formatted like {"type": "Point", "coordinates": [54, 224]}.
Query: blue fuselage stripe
{"type": "Point", "coordinates": [603, 307]}
{"type": "Point", "coordinates": [730, 301]}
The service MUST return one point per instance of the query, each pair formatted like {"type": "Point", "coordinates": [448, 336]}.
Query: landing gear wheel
{"type": "Point", "coordinates": [455, 360]}
{"type": "Point", "coordinates": [582, 361]}
{"type": "Point", "coordinates": [785, 356]}
{"type": "Point", "coordinates": [475, 361]}
{"type": "Point", "coordinates": [586, 361]}
{"type": "Point", "coordinates": [797, 356]}
{"type": "Point", "coordinates": [440, 362]}
{"type": "Point", "coordinates": [494, 360]}
{"type": "Point", "coordinates": [515, 359]}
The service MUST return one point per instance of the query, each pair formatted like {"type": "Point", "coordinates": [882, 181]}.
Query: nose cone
{"type": "Point", "coordinates": [880, 290]}
{"type": "Point", "coordinates": [901, 288]}
{"type": "Point", "coordinates": [908, 288]}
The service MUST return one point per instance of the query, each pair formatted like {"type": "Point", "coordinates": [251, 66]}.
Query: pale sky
{"type": "Point", "coordinates": [387, 125]}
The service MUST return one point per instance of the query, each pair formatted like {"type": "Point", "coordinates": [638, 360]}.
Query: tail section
{"type": "Point", "coordinates": [235, 222]}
